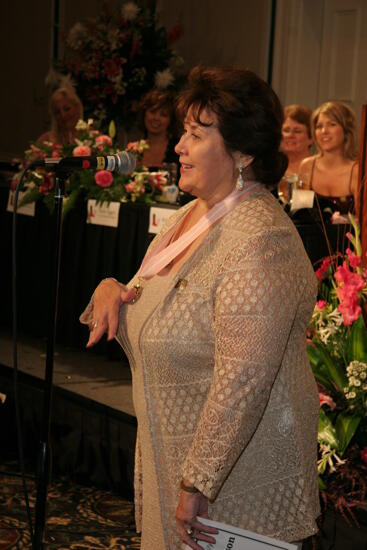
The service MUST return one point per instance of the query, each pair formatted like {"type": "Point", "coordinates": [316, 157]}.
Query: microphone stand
{"type": "Point", "coordinates": [44, 459]}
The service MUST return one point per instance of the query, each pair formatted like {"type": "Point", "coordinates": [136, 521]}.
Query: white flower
{"type": "Point", "coordinates": [77, 35]}
{"type": "Point", "coordinates": [163, 79]}
{"type": "Point", "coordinates": [129, 11]}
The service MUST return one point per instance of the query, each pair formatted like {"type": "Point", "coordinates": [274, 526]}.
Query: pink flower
{"type": "Point", "coordinates": [129, 187]}
{"type": "Point", "coordinates": [321, 304]}
{"type": "Point", "coordinates": [364, 455]}
{"type": "Point", "coordinates": [103, 140]}
{"type": "Point", "coordinates": [344, 275]}
{"type": "Point", "coordinates": [132, 146]}
{"type": "Point", "coordinates": [82, 151]}
{"type": "Point", "coordinates": [103, 178]}
{"type": "Point", "coordinates": [353, 259]}
{"type": "Point", "coordinates": [320, 272]}
{"type": "Point", "coordinates": [326, 400]}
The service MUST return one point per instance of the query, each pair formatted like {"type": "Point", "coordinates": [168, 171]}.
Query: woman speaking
{"type": "Point", "coordinates": [214, 325]}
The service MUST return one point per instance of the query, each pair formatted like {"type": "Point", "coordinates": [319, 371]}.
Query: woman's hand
{"type": "Point", "coordinates": [107, 299]}
{"type": "Point", "coordinates": [190, 529]}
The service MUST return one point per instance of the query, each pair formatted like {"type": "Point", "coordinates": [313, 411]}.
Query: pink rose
{"type": "Point", "coordinates": [103, 140]}
{"type": "Point", "coordinates": [103, 178]}
{"type": "Point", "coordinates": [321, 304]}
{"type": "Point", "coordinates": [326, 400]}
{"type": "Point", "coordinates": [82, 151]}
{"type": "Point", "coordinates": [364, 455]}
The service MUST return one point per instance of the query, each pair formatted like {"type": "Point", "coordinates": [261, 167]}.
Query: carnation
{"type": "Point", "coordinates": [82, 151]}
{"type": "Point", "coordinates": [103, 178]}
{"type": "Point", "coordinates": [163, 79]}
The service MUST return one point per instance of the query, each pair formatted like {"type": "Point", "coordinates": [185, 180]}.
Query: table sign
{"type": "Point", "coordinates": [302, 198]}
{"type": "Point", "coordinates": [233, 538]}
{"type": "Point", "coordinates": [27, 209]}
{"type": "Point", "coordinates": [158, 215]}
{"type": "Point", "coordinates": [105, 213]}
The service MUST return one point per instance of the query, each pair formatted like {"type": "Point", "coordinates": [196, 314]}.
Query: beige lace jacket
{"type": "Point", "coordinates": [231, 400]}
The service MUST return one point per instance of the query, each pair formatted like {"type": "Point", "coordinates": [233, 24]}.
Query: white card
{"type": "Point", "coordinates": [103, 213]}
{"type": "Point", "coordinates": [157, 217]}
{"type": "Point", "coordinates": [239, 539]}
{"type": "Point", "coordinates": [302, 198]}
{"type": "Point", "coordinates": [28, 209]}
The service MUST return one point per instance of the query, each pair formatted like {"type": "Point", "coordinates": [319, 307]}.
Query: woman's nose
{"type": "Point", "coordinates": [179, 146]}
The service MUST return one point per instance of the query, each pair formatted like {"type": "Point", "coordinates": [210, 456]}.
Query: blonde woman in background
{"type": "Point", "coordinates": [333, 172]}
{"type": "Point", "coordinates": [65, 111]}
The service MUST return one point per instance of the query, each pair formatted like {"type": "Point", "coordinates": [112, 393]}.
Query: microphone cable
{"type": "Point", "coordinates": [15, 351]}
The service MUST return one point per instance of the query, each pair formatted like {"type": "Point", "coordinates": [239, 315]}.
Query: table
{"type": "Point", "coordinates": [89, 254]}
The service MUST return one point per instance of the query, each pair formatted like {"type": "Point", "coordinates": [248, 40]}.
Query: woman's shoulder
{"type": "Point", "coordinates": [307, 163]}
{"type": "Point", "coordinates": [259, 214]}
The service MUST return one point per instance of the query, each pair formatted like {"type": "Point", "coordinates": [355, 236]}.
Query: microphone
{"type": "Point", "coordinates": [122, 163]}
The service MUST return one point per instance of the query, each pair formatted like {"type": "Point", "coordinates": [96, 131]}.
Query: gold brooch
{"type": "Point", "coordinates": [181, 284]}
{"type": "Point", "coordinates": [139, 290]}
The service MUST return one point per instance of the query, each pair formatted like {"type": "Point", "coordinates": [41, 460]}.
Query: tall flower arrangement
{"type": "Point", "coordinates": [337, 351]}
{"type": "Point", "coordinates": [102, 185]}
{"type": "Point", "coordinates": [116, 57]}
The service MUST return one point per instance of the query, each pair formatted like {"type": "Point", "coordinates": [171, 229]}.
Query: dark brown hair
{"type": "Point", "coordinates": [248, 111]}
{"type": "Point", "coordinates": [301, 114]}
{"type": "Point", "coordinates": [158, 99]}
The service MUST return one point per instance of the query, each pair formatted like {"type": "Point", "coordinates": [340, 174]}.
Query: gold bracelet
{"type": "Point", "coordinates": [188, 488]}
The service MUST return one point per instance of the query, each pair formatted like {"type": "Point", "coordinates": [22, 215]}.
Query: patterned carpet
{"type": "Point", "coordinates": [78, 517]}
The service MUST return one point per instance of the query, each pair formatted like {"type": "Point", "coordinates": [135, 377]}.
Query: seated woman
{"type": "Point", "coordinates": [296, 136]}
{"type": "Point", "coordinates": [333, 172]}
{"type": "Point", "coordinates": [65, 111]}
{"type": "Point", "coordinates": [159, 127]}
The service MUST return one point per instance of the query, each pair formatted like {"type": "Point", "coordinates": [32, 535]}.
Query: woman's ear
{"type": "Point", "coordinates": [244, 160]}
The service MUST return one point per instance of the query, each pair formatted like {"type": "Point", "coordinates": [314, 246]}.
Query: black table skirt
{"type": "Point", "coordinates": [89, 253]}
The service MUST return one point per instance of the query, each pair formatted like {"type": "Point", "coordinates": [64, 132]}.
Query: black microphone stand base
{"type": "Point", "coordinates": [44, 464]}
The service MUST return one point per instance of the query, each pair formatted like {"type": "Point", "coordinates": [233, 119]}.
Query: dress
{"type": "Point", "coordinates": [224, 395]}
{"type": "Point", "coordinates": [329, 204]}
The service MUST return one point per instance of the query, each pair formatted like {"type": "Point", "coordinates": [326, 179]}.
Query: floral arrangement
{"type": "Point", "coordinates": [337, 350]}
{"type": "Point", "coordinates": [102, 185]}
{"type": "Point", "coordinates": [117, 57]}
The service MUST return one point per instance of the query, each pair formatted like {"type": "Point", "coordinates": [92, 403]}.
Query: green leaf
{"type": "Point", "coordinates": [326, 431]}
{"type": "Point", "coordinates": [345, 427]}
{"type": "Point", "coordinates": [322, 484]}
{"type": "Point", "coordinates": [30, 196]}
{"type": "Point", "coordinates": [319, 370]}
{"type": "Point", "coordinates": [112, 129]}
{"type": "Point", "coordinates": [357, 344]}
{"type": "Point", "coordinates": [335, 371]}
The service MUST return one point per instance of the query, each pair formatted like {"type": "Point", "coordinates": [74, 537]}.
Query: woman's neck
{"type": "Point", "coordinates": [333, 159]}
{"type": "Point", "coordinates": [294, 161]}
{"type": "Point", "coordinates": [156, 139]}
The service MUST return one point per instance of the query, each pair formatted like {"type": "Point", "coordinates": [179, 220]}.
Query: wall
{"type": "Point", "coordinates": [234, 32]}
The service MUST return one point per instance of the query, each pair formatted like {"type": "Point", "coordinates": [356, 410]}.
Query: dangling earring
{"type": "Point", "coordinates": [240, 183]}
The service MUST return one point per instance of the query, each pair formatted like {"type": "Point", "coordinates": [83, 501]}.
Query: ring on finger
{"type": "Point", "coordinates": [190, 531]}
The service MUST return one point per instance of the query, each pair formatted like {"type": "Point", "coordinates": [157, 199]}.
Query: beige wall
{"type": "Point", "coordinates": [215, 32]}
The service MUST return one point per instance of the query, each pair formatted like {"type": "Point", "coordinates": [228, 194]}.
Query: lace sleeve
{"type": "Point", "coordinates": [255, 305]}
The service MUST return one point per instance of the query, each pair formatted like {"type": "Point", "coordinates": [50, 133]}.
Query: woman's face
{"type": "Point", "coordinates": [329, 134]}
{"type": "Point", "coordinates": [207, 170]}
{"type": "Point", "coordinates": [66, 114]}
{"type": "Point", "coordinates": [157, 120]}
{"type": "Point", "coordinates": [295, 138]}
